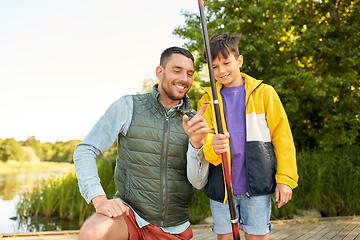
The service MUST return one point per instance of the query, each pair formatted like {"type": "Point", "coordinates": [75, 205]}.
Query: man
{"type": "Point", "coordinates": [152, 132]}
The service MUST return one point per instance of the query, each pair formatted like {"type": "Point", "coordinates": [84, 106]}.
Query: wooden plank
{"type": "Point", "coordinates": [336, 227]}
{"type": "Point", "coordinates": [297, 232]}
{"type": "Point", "coordinates": [287, 230]}
{"type": "Point", "coordinates": [355, 233]}
{"type": "Point", "coordinates": [327, 228]}
{"type": "Point", "coordinates": [342, 234]}
{"type": "Point", "coordinates": [319, 227]}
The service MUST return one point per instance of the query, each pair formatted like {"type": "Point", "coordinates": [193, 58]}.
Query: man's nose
{"type": "Point", "coordinates": [183, 76]}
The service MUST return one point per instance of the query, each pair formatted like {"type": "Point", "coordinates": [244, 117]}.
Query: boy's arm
{"type": "Point", "coordinates": [283, 194]}
{"type": "Point", "coordinates": [208, 149]}
{"type": "Point", "coordinates": [281, 139]}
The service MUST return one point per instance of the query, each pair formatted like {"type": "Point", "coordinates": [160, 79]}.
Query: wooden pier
{"type": "Point", "coordinates": [324, 228]}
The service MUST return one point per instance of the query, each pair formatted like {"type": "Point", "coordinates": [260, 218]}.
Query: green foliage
{"type": "Point", "coordinates": [64, 151]}
{"type": "Point", "coordinates": [52, 152]}
{"type": "Point", "coordinates": [199, 207]}
{"type": "Point", "coordinates": [147, 85]}
{"type": "Point", "coordinates": [308, 50]}
{"type": "Point", "coordinates": [44, 151]}
{"type": "Point", "coordinates": [10, 149]}
{"type": "Point", "coordinates": [329, 182]}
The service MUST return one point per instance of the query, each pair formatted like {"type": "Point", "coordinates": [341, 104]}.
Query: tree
{"type": "Point", "coordinates": [44, 151]}
{"type": "Point", "coordinates": [10, 149]}
{"type": "Point", "coordinates": [147, 85]}
{"type": "Point", "coordinates": [63, 151]}
{"type": "Point", "coordinates": [308, 50]}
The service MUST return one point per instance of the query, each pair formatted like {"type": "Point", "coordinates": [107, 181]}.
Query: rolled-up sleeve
{"type": "Point", "coordinates": [197, 167]}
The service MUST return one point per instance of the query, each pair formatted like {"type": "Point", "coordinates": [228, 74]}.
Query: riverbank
{"type": "Point", "coordinates": [12, 167]}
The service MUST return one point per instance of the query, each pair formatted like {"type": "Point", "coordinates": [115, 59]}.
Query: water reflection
{"type": "Point", "coordinates": [44, 224]}
{"type": "Point", "coordinates": [14, 185]}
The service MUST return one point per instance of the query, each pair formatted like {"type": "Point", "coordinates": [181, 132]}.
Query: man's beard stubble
{"type": "Point", "coordinates": [168, 92]}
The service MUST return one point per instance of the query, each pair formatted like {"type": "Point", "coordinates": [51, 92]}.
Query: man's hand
{"type": "Point", "coordinates": [284, 192]}
{"type": "Point", "coordinates": [111, 208]}
{"type": "Point", "coordinates": [196, 128]}
{"type": "Point", "coordinates": [220, 143]}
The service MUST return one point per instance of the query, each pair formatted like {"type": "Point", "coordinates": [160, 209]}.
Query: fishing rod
{"type": "Point", "coordinates": [234, 219]}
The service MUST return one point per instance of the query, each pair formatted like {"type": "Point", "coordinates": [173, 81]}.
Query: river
{"type": "Point", "coordinates": [11, 188]}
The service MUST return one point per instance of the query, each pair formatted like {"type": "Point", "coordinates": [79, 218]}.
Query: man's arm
{"type": "Point", "coordinates": [197, 166]}
{"type": "Point", "coordinates": [115, 121]}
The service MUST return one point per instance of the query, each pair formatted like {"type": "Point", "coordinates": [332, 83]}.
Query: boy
{"type": "Point", "coordinates": [256, 131]}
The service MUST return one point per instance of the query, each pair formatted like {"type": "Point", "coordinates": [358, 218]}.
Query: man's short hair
{"type": "Point", "coordinates": [165, 55]}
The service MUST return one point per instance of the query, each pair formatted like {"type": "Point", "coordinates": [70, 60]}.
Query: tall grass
{"type": "Point", "coordinates": [329, 182]}
{"type": "Point", "coordinates": [60, 196]}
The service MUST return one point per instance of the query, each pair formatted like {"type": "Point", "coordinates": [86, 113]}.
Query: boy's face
{"type": "Point", "coordinates": [227, 71]}
{"type": "Point", "coordinates": [175, 79]}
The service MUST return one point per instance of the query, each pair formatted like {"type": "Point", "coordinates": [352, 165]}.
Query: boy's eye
{"type": "Point", "coordinates": [214, 67]}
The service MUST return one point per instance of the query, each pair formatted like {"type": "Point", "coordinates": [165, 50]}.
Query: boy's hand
{"type": "Point", "coordinates": [220, 143]}
{"type": "Point", "coordinates": [284, 192]}
{"type": "Point", "coordinates": [196, 128]}
{"type": "Point", "coordinates": [111, 208]}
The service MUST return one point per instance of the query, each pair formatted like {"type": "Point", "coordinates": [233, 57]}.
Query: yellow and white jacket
{"type": "Point", "coordinates": [269, 149]}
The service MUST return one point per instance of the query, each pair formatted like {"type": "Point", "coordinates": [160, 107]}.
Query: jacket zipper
{"type": "Point", "coordinates": [166, 129]}
{"type": "Point", "coordinates": [247, 182]}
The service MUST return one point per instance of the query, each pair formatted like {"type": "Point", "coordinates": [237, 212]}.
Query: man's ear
{"type": "Point", "coordinates": [159, 72]}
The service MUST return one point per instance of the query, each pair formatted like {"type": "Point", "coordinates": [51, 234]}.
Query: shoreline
{"type": "Point", "coordinates": [19, 167]}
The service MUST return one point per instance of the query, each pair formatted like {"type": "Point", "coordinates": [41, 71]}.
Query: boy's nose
{"type": "Point", "coordinates": [221, 69]}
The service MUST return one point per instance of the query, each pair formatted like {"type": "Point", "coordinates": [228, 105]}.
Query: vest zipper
{"type": "Point", "coordinates": [166, 129]}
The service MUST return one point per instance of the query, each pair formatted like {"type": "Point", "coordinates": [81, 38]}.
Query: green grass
{"type": "Point", "coordinates": [328, 182]}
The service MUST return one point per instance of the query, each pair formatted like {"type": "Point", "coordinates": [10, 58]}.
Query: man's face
{"type": "Point", "coordinates": [175, 79]}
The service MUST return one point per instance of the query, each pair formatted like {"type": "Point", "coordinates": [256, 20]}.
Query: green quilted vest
{"type": "Point", "coordinates": [150, 172]}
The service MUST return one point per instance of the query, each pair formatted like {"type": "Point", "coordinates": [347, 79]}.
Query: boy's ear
{"type": "Point", "coordinates": [240, 61]}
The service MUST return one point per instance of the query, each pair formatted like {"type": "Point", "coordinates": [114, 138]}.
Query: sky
{"type": "Point", "coordinates": [63, 63]}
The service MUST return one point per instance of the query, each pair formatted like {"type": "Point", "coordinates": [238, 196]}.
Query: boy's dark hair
{"type": "Point", "coordinates": [171, 50]}
{"type": "Point", "coordinates": [223, 43]}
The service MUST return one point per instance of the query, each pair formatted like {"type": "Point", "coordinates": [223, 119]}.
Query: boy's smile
{"type": "Point", "coordinates": [227, 70]}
